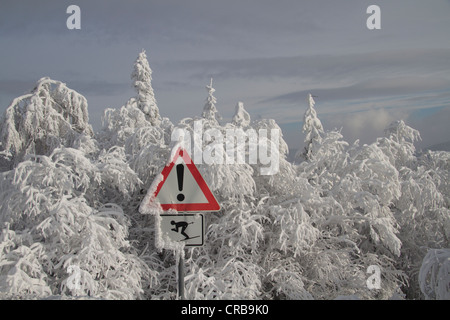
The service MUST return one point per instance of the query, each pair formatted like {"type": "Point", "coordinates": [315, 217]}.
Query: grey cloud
{"type": "Point", "coordinates": [366, 125]}
{"type": "Point", "coordinates": [373, 88]}
{"type": "Point", "coordinates": [326, 67]}
{"type": "Point", "coordinates": [174, 21]}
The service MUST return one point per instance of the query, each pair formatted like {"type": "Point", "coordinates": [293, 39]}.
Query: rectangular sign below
{"type": "Point", "coordinates": [187, 228]}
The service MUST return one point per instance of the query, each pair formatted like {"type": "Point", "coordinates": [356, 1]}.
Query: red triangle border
{"type": "Point", "coordinates": [211, 205]}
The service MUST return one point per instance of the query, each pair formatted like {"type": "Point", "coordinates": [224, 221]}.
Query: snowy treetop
{"type": "Point", "coordinates": [50, 116]}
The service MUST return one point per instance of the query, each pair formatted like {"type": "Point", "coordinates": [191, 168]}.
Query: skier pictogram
{"type": "Point", "coordinates": [183, 225]}
{"type": "Point", "coordinates": [187, 228]}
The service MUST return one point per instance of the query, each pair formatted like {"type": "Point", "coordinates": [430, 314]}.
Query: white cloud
{"type": "Point", "coordinates": [364, 125]}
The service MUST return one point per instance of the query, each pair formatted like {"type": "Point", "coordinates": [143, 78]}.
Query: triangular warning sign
{"type": "Point", "coordinates": [181, 187]}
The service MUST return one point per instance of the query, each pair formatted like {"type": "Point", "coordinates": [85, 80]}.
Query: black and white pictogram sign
{"type": "Point", "coordinates": [187, 228]}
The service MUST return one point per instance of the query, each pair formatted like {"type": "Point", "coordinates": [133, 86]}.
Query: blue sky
{"type": "Point", "coordinates": [267, 54]}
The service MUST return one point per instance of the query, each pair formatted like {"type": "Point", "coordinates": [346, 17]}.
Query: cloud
{"type": "Point", "coordinates": [364, 125]}
{"type": "Point", "coordinates": [344, 83]}
{"type": "Point", "coordinates": [401, 92]}
{"type": "Point", "coordinates": [362, 93]}
{"type": "Point", "coordinates": [368, 125]}
{"type": "Point", "coordinates": [326, 67]}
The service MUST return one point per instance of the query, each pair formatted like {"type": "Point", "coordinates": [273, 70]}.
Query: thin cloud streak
{"type": "Point", "coordinates": [323, 67]}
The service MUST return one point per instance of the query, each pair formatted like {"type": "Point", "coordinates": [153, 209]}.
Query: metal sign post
{"type": "Point", "coordinates": [181, 277]}
{"type": "Point", "coordinates": [187, 228]}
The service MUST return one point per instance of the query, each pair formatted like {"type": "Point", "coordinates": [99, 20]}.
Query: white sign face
{"type": "Point", "coordinates": [187, 228]}
{"type": "Point", "coordinates": [180, 186]}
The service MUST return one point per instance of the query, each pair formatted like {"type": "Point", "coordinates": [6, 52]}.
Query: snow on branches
{"type": "Point", "coordinates": [434, 273]}
{"type": "Point", "coordinates": [142, 81]}
{"type": "Point", "coordinates": [52, 115]}
{"type": "Point", "coordinates": [209, 110]}
{"type": "Point", "coordinates": [313, 129]}
{"type": "Point", "coordinates": [48, 219]}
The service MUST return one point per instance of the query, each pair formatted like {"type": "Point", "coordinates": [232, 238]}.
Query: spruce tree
{"type": "Point", "coordinates": [142, 82]}
{"type": "Point", "coordinates": [313, 129]}
{"type": "Point", "coordinates": [209, 110]}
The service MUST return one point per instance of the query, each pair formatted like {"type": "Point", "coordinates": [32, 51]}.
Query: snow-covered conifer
{"type": "Point", "coordinates": [210, 112]}
{"type": "Point", "coordinates": [241, 117]}
{"type": "Point", "coordinates": [313, 129]}
{"type": "Point", "coordinates": [142, 82]}
{"type": "Point", "coordinates": [119, 125]}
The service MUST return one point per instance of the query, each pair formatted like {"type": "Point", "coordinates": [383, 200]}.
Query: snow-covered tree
{"type": "Point", "coordinates": [423, 218]}
{"type": "Point", "coordinates": [313, 129]}
{"type": "Point", "coordinates": [138, 115]}
{"type": "Point", "coordinates": [120, 124]}
{"type": "Point", "coordinates": [51, 116]}
{"type": "Point", "coordinates": [147, 151]}
{"type": "Point", "coordinates": [50, 228]}
{"type": "Point", "coordinates": [241, 117]}
{"type": "Point", "coordinates": [434, 274]}
{"type": "Point", "coordinates": [398, 143]}
{"type": "Point", "coordinates": [142, 82]}
{"type": "Point", "coordinates": [210, 112]}
{"type": "Point", "coordinates": [353, 191]}
{"type": "Point", "coordinates": [331, 156]}
{"type": "Point", "coordinates": [438, 164]}
{"type": "Point", "coordinates": [227, 266]}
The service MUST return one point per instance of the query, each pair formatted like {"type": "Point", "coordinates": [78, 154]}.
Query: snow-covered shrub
{"type": "Point", "coordinates": [120, 124]}
{"type": "Point", "coordinates": [398, 144]}
{"type": "Point", "coordinates": [438, 165]}
{"type": "Point", "coordinates": [434, 276]}
{"type": "Point", "coordinates": [44, 200]}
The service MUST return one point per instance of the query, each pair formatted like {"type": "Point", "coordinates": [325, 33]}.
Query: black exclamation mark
{"type": "Point", "coordinates": [180, 175]}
